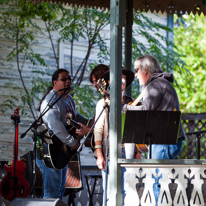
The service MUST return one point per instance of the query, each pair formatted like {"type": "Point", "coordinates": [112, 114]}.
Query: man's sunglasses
{"type": "Point", "coordinates": [136, 69]}
{"type": "Point", "coordinates": [64, 79]}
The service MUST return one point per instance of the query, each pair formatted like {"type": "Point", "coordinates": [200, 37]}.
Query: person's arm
{"type": "Point", "coordinates": [151, 98]}
{"type": "Point", "coordinates": [100, 158]}
{"type": "Point", "coordinates": [84, 130]}
{"type": "Point", "coordinates": [98, 134]}
{"type": "Point", "coordinates": [54, 120]}
{"type": "Point", "coordinates": [80, 119]}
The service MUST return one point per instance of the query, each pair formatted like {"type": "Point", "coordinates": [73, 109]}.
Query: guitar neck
{"type": "Point", "coordinates": [75, 124]}
{"type": "Point", "coordinates": [16, 119]}
{"type": "Point", "coordinates": [136, 101]}
{"type": "Point", "coordinates": [15, 150]}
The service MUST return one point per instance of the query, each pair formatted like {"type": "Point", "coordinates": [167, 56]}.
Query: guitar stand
{"type": "Point", "coordinates": [42, 136]}
{"type": "Point", "coordinates": [33, 189]}
{"type": "Point", "coordinates": [72, 196]}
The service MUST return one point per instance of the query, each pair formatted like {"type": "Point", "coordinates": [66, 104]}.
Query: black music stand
{"type": "Point", "coordinates": [151, 127]}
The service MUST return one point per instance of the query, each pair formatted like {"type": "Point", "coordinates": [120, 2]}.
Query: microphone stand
{"type": "Point", "coordinates": [35, 125]}
{"type": "Point", "coordinates": [198, 135]}
{"type": "Point", "coordinates": [107, 150]}
{"type": "Point", "coordinates": [106, 161]}
{"type": "Point", "coordinates": [85, 137]}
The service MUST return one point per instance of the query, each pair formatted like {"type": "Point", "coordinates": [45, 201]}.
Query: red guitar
{"type": "Point", "coordinates": [14, 183]}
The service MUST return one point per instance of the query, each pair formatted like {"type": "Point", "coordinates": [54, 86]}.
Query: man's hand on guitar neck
{"type": "Point", "coordinates": [84, 130]}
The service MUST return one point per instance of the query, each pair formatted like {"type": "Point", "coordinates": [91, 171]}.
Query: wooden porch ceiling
{"type": "Point", "coordinates": [174, 6]}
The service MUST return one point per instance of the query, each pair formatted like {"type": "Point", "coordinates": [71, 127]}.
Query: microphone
{"type": "Point", "coordinates": [23, 135]}
{"type": "Point", "coordinates": [67, 88]}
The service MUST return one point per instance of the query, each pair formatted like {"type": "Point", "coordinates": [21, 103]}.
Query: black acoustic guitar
{"type": "Point", "coordinates": [58, 155]}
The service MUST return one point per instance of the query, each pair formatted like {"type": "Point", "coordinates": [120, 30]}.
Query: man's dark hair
{"type": "Point", "coordinates": [55, 76]}
{"type": "Point", "coordinates": [98, 71]}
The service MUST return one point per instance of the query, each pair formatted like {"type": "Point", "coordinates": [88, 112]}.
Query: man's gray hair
{"type": "Point", "coordinates": [149, 61]}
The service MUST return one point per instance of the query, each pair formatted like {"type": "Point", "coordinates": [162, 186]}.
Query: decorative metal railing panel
{"type": "Point", "coordinates": [165, 182]}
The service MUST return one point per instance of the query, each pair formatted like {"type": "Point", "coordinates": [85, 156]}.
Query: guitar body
{"type": "Point", "coordinates": [14, 183]}
{"type": "Point", "coordinates": [57, 155]}
{"type": "Point", "coordinates": [22, 188]}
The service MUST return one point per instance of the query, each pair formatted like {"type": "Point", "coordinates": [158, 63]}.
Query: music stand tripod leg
{"type": "Point", "coordinates": [71, 199]}
{"type": "Point", "coordinates": [150, 146]}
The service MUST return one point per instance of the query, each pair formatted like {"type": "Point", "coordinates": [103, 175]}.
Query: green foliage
{"type": "Point", "coordinates": [9, 103]}
{"type": "Point", "coordinates": [85, 98]}
{"type": "Point", "coordinates": [87, 24]}
{"type": "Point", "coordinates": [39, 86]}
{"type": "Point", "coordinates": [158, 44]}
{"type": "Point", "coordinates": [18, 27]}
{"type": "Point", "coordinates": [75, 24]}
{"type": "Point", "coordinates": [16, 22]}
{"type": "Point", "coordinates": [191, 43]}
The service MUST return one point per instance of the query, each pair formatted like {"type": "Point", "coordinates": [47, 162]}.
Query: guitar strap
{"type": "Point", "coordinates": [72, 105]}
{"type": "Point", "coordinates": [105, 133]}
{"type": "Point", "coordinates": [40, 120]}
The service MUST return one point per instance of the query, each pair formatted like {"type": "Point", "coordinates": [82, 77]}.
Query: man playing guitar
{"type": "Point", "coordinates": [94, 76]}
{"type": "Point", "coordinates": [55, 120]}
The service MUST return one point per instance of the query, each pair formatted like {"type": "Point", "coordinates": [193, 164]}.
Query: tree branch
{"type": "Point", "coordinates": [50, 37]}
{"type": "Point", "coordinates": [19, 70]}
{"type": "Point", "coordinates": [71, 56]}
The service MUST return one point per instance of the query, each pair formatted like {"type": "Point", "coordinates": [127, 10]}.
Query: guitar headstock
{"type": "Point", "coordinates": [68, 118]}
{"type": "Point", "coordinates": [16, 112]}
{"type": "Point", "coordinates": [16, 116]}
{"type": "Point", "coordinates": [101, 86]}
